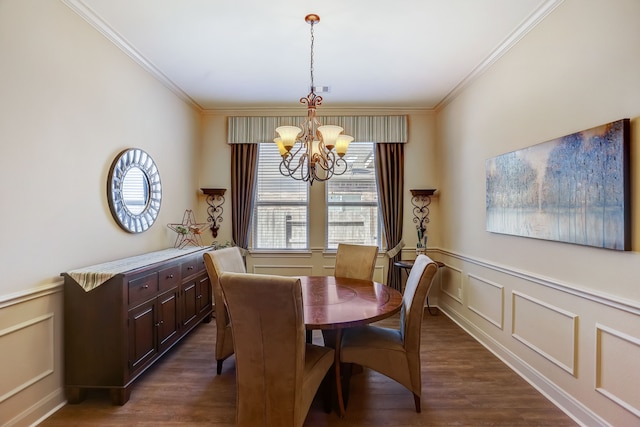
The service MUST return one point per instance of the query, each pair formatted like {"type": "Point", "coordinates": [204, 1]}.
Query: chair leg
{"type": "Point", "coordinates": [347, 371]}
{"type": "Point", "coordinates": [416, 400]}
{"type": "Point", "coordinates": [219, 368]}
{"type": "Point", "coordinates": [326, 389]}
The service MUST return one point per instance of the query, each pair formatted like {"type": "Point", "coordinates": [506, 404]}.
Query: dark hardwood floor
{"type": "Point", "coordinates": [463, 385]}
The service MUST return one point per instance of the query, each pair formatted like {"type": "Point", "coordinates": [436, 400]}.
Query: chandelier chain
{"type": "Point", "coordinates": [311, 66]}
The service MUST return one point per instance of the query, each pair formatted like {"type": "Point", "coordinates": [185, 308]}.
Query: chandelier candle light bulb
{"type": "Point", "coordinates": [281, 149]}
{"type": "Point", "coordinates": [342, 143]}
{"type": "Point", "coordinates": [315, 158]}
{"type": "Point", "coordinates": [330, 135]}
{"type": "Point", "coordinates": [288, 135]}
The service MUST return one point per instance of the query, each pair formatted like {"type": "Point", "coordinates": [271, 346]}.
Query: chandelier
{"type": "Point", "coordinates": [316, 151]}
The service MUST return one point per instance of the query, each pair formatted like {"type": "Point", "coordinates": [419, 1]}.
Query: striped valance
{"type": "Point", "coordinates": [242, 130]}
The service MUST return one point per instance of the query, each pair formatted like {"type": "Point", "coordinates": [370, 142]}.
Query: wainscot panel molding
{"type": "Point", "coordinates": [618, 367]}
{"type": "Point", "coordinates": [451, 283]}
{"type": "Point", "coordinates": [486, 299]}
{"type": "Point", "coordinates": [307, 270]}
{"type": "Point", "coordinates": [280, 254]}
{"type": "Point", "coordinates": [379, 272]}
{"type": "Point", "coordinates": [283, 269]}
{"type": "Point", "coordinates": [613, 301]}
{"type": "Point", "coordinates": [314, 262]}
{"type": "Point", "coordinates": [546, 329]}
{"type": "Point", "coordinates": [581, 349]}
{"type": "Point", "coordinates": [22, 297]}
{"type": "Point", "coordinates": [328, 270]}
{"type": "Point", "coordinates": [37, 330]}
{"type": "Point", "coordinates": [31, 327]}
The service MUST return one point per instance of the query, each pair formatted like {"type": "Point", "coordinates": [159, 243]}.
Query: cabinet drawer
{"type": "Point", "coordinates": [143, 288]}
{"type": "Point", "coordinates": [169, 277]}
{"type": "Point", "coordinates": [191, 266]}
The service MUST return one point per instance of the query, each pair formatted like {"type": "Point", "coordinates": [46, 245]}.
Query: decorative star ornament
{"type": "Point", "coordinates": [189, 230]}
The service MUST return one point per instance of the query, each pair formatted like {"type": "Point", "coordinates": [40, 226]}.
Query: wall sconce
{"type": "Point", "coordinates": [215, 200]}
{"type": "Point", "coordinates": [421, 200]}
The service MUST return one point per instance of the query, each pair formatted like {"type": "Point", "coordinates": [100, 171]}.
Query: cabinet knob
{"type": "Point", "coordinates": [190, 267]}
{"type": "Point", "coordinates": [145, 286]}
{"type": "Point", "coordinates": [170, 276]}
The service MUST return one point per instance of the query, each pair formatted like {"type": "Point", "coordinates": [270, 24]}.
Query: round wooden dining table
{"type": "Point", "coordinates": [337, 303]}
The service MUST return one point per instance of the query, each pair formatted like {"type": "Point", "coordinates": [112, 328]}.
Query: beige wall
{"type": "Point", "coordinates": [70, 102]}
{"type": "Point", "coordinates": [566, 316]}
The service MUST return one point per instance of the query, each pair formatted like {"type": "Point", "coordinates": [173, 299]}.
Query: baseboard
{"type": "Point", "coordinates": [39, 411]}
{"type": "Point", "coordinates": [570, 406]}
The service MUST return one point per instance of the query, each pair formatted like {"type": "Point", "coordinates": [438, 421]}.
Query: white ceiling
{"type": "Point", "coordinates": [244, 54]}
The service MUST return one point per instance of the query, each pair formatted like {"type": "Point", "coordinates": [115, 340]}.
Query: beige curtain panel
{"type": "Point", "coordinates": [379, 129]}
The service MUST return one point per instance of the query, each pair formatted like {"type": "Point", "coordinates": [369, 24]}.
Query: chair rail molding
{"type": "Point", "coordinates": [598, 297]}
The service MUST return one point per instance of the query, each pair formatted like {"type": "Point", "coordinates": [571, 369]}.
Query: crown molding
{"type": "Point", "coordinates": [86, 13]}
{"type": "Point", "coordinates": [512, 39]}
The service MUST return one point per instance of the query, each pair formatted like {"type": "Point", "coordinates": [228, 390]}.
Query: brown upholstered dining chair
{"type": "Point", "coordinates": [218, 262]}
{"type": "Point", "coordinates": [277, 373]}
{"type": "Point", "coordinates": [355, 261]}
{"type": "Point", "coordinates": [395, 353]}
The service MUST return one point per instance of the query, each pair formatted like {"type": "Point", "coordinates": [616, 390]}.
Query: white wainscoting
{"type": "Point", "coordinates": [22, 366]}
{"type": "Point", "coordinates": [379, 271]}
{"type": "Point", "coordinates": [451, 282]}
{"type": "Point", "coordinates": [580, 349]}
{"type": "Point", "coordinates": [283, 269]}
{"type": "Point", "coordinates": [486, 299]}
{"type": "Point", "coordinates": [546, 329]}
{"type": "Point", "coordinates": [31, 364]}
{"type": "Point", "coordinates": [618, 367]}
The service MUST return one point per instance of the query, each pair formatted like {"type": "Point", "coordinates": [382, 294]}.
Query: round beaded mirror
{"type": "Point", "coordinates": [134, 190]}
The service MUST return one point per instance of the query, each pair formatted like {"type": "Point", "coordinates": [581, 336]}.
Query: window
{"type": "Point", "coordinates": [280, 215]}
{"type": "Point", "coordinates": [352, 200]}
{"type": "Point", "coordinates": [281, 211]}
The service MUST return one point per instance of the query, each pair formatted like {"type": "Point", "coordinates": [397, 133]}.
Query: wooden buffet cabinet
{"type": "Point", "coordinates": [119, 328]}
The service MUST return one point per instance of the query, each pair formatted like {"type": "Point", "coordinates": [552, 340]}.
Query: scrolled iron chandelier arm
{"type": "Point", "coordinates": [319, 151]}
{"type": "Point", "coordinates": [291, 163]}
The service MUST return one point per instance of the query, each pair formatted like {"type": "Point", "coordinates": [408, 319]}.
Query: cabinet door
{"type": "Point", "coordinates": [168, 322]}
{"type": "Point", "coordinates": [190, 308]}
{"type": "Point", "coordinates": [204, 298]}
{"type": "Point", "coordinates": [142, 335]}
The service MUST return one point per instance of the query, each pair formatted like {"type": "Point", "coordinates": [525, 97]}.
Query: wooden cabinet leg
{"type": "Point", "coordinates": [120, 396]}
{"type": "Point", "coordinates": [75, 394]}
